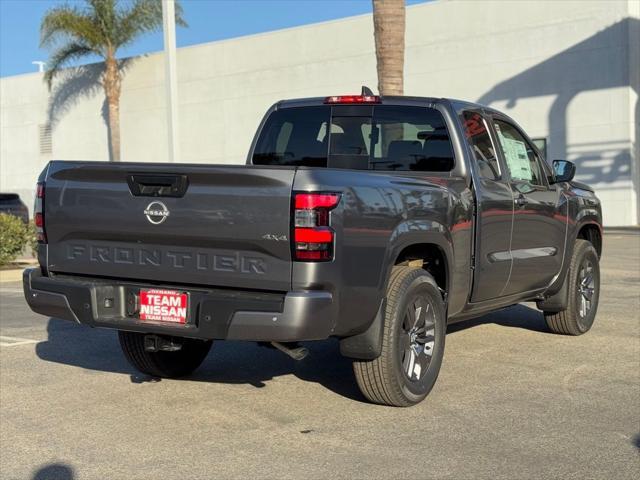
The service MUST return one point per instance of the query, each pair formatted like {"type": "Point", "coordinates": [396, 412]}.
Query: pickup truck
{"type": "Point", "coordinates": [374, 220]}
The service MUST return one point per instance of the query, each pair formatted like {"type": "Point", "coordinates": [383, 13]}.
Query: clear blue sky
{"type": "Point", "coordinates": [208, 20]}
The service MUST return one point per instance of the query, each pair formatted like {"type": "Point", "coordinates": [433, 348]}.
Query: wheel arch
{"type": "Point", "coordinates": [592, 232]}
{"type": "Point", "coordinates": [556, 298]}
{"type": "Point", "coordinates": [415, 240]}
{"type": "Point", "coordinates": [435, 251]}
{"type": "Point", "coordinates": [434, 260]}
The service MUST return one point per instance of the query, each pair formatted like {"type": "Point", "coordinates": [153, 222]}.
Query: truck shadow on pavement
{"type": "Point", "coordinates": [518, 316]}
{"type": "Point", "coordinates": [228, 362]}
{"type": "Point", "coordinates": [243, 362]}
{"type": "Point", "coordinates": [78, 345]}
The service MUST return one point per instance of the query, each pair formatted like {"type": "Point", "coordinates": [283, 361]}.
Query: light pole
{"type": "Point", "coordinates": [40, 65]}
{"type": "Point", "coordinates": [169, 29]}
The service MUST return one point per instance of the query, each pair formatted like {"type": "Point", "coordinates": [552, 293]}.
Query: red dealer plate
{"type": "Point", "coordinates": [163, 306]}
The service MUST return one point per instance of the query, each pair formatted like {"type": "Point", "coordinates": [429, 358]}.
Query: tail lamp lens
{"type": "Point", "coordinates": [313, 237]}
{"type": "Point", "coordinates": [38, 214]}
{"type": "Point", "coordinates": [317, 200]}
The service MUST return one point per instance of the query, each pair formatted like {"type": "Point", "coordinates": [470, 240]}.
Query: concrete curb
{"type": "Point", "coordinates": [13, 275]}
{"type": "Point", "coordinates": [621, 230]}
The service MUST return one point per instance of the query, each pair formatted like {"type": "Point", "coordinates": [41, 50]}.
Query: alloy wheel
{"type": "Point", "coordinates": [586, 288]}
{"type": "Point", "coordinates": [418, 338]}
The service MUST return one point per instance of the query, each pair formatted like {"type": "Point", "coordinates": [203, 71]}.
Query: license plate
{"type": "Point", "coordinates": [163, 306]}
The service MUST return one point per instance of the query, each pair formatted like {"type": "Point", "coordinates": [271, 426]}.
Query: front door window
{"type": "Point", "coordinates": [521, 159]}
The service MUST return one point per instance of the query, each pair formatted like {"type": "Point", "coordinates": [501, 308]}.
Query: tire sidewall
{"type": "Point", "coordinates": [584, 324]}
{"type": "Point", "coordinates": [421, 284]}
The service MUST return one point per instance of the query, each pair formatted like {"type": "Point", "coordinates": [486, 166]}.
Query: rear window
{"type": "Point", "coordinates": [382, 137]}
{"type": "Point", "coordinates": [9, 197]}
{"type": "Point", "coordinates": [294, 136]}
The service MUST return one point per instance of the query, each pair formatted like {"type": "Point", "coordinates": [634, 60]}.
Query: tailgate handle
{"type": "Point", "coordinates": [157, 185]}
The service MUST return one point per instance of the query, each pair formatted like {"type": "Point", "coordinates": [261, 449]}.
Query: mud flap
{"type": "Point", "coordinates": [368, 344]}
{"type": "Point", "coordinates": [557, 302]}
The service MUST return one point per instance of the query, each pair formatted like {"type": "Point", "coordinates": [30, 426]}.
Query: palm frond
{"type": "Point", "coordinates": [142, 17]}
{"type": "Point", "coordinates": [180, 21]}
{"type": "Point", "coordinates": [69, 22]}
{"type": "Point", "coordinates": [105, 18]}
{"type": "Point", "coordinates": [62, 56]}
{"type": "Point", "coordinates": [101, 27]}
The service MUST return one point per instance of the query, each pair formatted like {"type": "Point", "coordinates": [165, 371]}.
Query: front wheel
{"type": "Point", "coordinates": [412, 343]}
{"type": "Point", "coordinates": [584, 293]}
{"type": "Point", "coordinates": [163, 363]}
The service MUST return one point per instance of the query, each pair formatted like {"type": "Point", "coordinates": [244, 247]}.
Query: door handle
{"type": "Point", "coordinates": [158, 185]}
{"type": "Point", "coordinates": [521, 201]}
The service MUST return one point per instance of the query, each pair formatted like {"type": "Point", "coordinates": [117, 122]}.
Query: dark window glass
{"type": "Point", "coordinates": [541, 144]}
{"type": "Point", "coordinates": [294, 136]}
{"type": "Point", "coordinates": [349, 137]}
{"type": "Point", "coordinates": [484, 153]}
{"type": "Point", "coordinates": [409, 138]}
{"type": "Point", "coordinates": [9, 197]}
{"type": "Point", "coordinates": [522, 161]}
{"type": "Point", "coordinates": [395, 138]}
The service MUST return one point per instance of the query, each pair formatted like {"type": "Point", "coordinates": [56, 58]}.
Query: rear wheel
{"type": "Point", "coordinates": [163, 363]}
{"type": "Point", "coordinates": [584, 293]}
{"type": "Point", "coordinates": [412, 344]}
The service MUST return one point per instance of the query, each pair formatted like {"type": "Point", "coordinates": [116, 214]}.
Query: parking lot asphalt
{"type": "Point", "coordinates": [512, 401]}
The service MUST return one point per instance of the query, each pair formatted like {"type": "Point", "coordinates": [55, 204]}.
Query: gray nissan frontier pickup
{"type": "Point", "coordinates": [374, 220]}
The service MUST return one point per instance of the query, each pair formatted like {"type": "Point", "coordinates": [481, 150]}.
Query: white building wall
{"type": "Point", "coordinates": [564, 70]}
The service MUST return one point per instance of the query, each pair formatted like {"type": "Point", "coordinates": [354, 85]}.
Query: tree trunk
{"type": "Point", "coordinates": [389, 27]}
{"type": "Point", "coordinates": [114, 128]}
{"type": "Point", "coordinates": [111, 84]}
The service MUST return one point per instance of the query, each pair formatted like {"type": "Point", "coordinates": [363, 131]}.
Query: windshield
{"type": "Point", "coordinates": [383, 137]}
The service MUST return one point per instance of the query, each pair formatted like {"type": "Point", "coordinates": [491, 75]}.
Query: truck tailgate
{"type": "Point", "coordinates": [185, 224]}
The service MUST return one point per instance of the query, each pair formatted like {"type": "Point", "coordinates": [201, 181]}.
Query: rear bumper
{"type": "Point", "coordinates": [214, 313]}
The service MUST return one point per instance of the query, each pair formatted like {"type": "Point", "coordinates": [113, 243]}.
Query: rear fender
{"type": "Point", "coordinates": [368, 344]}
{"type": "Point", "coordinates": [415, 232]}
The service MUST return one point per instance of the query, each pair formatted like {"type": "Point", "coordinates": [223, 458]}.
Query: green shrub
{"type": "Point", "coordinates": [14, 235]}
{"type": "Point", "coordinates": [32, 240]}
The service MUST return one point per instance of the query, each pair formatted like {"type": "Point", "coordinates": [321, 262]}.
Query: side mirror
{"type": "Point", "coordinates": [564, 170]}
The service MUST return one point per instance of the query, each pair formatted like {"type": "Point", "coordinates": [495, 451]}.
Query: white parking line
{"type": "Point", "coordinates": [14, 341]}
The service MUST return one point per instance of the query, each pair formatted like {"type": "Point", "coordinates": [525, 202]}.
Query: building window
{"type": "Point", "coordinates": [541, 144]}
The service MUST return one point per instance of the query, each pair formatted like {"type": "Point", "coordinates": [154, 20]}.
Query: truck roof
{"type": "Point", "coordinates": [389, 99]}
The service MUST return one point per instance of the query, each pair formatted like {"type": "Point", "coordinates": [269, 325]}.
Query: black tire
{"type": "Point", "coordinates": [163, 364]}
{"type": "Point", "coordinates": [386, 379]}
{"type": "Point", "coordinates": [584, 284]}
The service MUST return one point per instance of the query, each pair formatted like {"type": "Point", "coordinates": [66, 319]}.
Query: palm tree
{"type": "Point", "coordinates": [100, 28]}
{"type": "Point", "coordinates": [389, 27]}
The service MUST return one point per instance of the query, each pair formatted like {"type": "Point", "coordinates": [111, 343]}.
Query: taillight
{"type": "Point", "coordinates": [312, 234]}
{"type": "Point", "coordinates": [38, 214]}
{"type": "Point", "coordinates": [352, 99]}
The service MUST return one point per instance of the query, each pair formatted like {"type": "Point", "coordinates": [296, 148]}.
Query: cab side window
{"type": "Point", "coordinates": [522, 161]}
{"type": "Point", "coordinates": [407, 138]}
{"type": "Point", "coordinates": [476, 132]}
